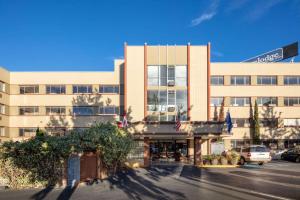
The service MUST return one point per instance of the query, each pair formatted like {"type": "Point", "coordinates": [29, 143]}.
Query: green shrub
{"type": "Point", "coordinates": [39, 161]}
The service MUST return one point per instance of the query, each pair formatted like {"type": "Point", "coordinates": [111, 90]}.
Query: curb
{"type": "Point", "coordinates": [219, 166]}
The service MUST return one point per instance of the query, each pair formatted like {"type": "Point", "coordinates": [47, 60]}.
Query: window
{"type": "Point", "coordinates": [181, 75]}
{"type": "Point", "coordinates": [82, 89]}
{"type": "Point", "coordinates": [291, 122]}
{"type": "Point", "coordinates": [268, 122]}
{"type": "Point", "coordinates": [109, 110]}
{"type": "Point", "coordinates": [112, 89]}
{"type": "Point", "coordinates": [29, 89]}
{"type": "Point", "coordinates": [216, 101]}
{"type": "Point", "coordinates": [239, 101]}
{"type": "Point", "coordinates": [152, 100]}
{"type": "Point", "coordinates": [27, 132]}
{"type": "Point", "coordinates": [2, 86]}
{"type": "Point", "coordinates": [171, 97]}
{"type": "Point", "coordinates": [217, 80]}
{"type": "Point", "coordinates": [240, 80]}
{"type": "Point", "coordinates": [2, 132]}
{"type": "Point", "coordinates": [266, 80]}
{"type": "Point", "coordinates": [266, 101]}
{"type": "Point", "coordinates": [83, 110]}
{"type": "Point", "coordinates": [2, 109]}
{"type": "Point", "coordinates": [31, 110]}
{"type": "Point", "coordinates": [292, 101]}
{"type": "Point", "coordinates": [167, 75]}
{"type": "Point", "coordinates": [291, 80]}
{"type": "Point", "coordinates": [55, 110]}
{"type": "Point", "coordinates": [241, 122]}
{"type": "Point", "coordinates": [55, 89]}
{"type": "Point", "coordinates": [153, 75]}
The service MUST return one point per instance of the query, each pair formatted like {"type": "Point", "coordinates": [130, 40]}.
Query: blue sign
{"type": "Point", "coordinates": [272, 56]}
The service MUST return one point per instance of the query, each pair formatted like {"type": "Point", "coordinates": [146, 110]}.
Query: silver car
{"type": "Point", "coordinates": [254, 153]}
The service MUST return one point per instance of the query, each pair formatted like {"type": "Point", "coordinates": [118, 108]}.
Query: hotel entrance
{"type": "Point", "coordinates": [164, 151]}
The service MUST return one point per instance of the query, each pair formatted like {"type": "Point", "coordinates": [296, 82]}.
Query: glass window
{"type": "Point", "coordinates": [239, 101]}
{"type": "Point", "coordinates": [181, 100]}
{"type": "Point", "coordinates": [112, 89]}
{"type": "Point", "coordinates": [2, 86]}
{"type": "Point", "coordinates": [240, 80]}
{"type": "Point", "coordinates": [55, 110]}
{"type": "Point", "coordinates": [27, 132]}
{"type": "Point", "coordinates": [216, 101]}
{"type": "Point", "coordinates": [83, 110]}
{"type": "Point", "coordinates": [32, 110]}
{"type": "Point", "coordinates": [292, 101]}
{"type": "Point", "coordinates": [153, 72]}
{"type": "Point", "coordinates": [240, 122]}
{"type": "Point", "coordinates": [29, 89]}
{"type": "Point", "coordinates": [2, 132]}
{"type": "Point", "coordinates": [55, 89]}
{"type": "Point", "coordinates": [291, 80]}
{"type": "Point", "coordinates": [268, 122]}
{"type": "Point", "coordinates": [163, 76]}
{"type": "Point", "coordinates": [109, 110]}
{"type": "Point", "coordinates": [152, 100]}
{"type": "Point", "coordinates": [267, 80]}
{"type": "Point", "coordinates": [2, 109]}
{"type": "Point", "coordinates": [171, 97]}
{"type": "Point", "coordinates": [217, 80]}
{"type": "Point", "coordinates": [171, 73]}
{"type": "Point", "coordinates": [82, 89]}
{"type": "Point", "coordinates": [265, 101]}
{"type": "Point", "coordinates": [163, 100]}
{"type": "Point", "coordinates": [181, 75]}
{"type": "Point", "coordinates": [291, 122]}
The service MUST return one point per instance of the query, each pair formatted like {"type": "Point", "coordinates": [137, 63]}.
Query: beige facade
{"type": "Point", "coordinates": [154, 84]}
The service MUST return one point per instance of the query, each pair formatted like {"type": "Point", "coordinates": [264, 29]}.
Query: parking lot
{"type": "Point", "coordinates": [275, 180]}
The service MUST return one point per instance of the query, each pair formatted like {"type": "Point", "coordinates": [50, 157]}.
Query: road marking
{"type": "Point", "coordinates": [267, 181]}
{"type": "Point", "coordinates": [244, 190]}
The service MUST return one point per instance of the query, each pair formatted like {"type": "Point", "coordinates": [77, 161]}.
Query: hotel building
{"type": "Point", "coordinates": [151, 85]}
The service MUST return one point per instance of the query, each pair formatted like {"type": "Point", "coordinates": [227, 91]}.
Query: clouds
{"type": "Point", "coordinates": [250, 10]}
{"type": "Point", "coordinates": [261, 9]}
{"type": "Point", "coordinates": [208, 14]}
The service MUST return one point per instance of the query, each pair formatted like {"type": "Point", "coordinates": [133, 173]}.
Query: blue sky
{"type": "Point", "coordinates": [86, 35]}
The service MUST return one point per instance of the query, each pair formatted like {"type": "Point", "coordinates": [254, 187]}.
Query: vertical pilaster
{"type": "Point", "coordinates": [197, 150]}
{"type": "Point", "coordinates": [188, 82]}
{"type": "Point", "coordinates": [208, 81]}
{"type": "Point", "coordinates": [146, 152]}
{"type": "Point", "coordinates": [145, 81]}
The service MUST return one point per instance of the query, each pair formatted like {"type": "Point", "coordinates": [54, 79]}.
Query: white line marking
{"type": "Point", "coordinates": [244, 190]}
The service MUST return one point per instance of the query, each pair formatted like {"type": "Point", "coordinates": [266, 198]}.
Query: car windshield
{"type": "Point", "coordinates": [259, 149]}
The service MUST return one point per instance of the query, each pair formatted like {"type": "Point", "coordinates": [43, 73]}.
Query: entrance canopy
{"type": "Point", "coordinates": [167, 130]}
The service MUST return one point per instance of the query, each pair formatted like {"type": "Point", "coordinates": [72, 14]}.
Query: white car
{"type": "Point", "coordinates": [254, 153]}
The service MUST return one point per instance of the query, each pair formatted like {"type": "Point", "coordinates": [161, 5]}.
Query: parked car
{"type": "Point", "coordinates": [276, 154]}
{"type": "Point", "coordinates": [255, 154]}
{"type": "Point", "coordinates": [291, 155]}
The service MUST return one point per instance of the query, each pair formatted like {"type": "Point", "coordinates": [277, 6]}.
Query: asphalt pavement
{"type": "Point", "coordinates": [275, 180]}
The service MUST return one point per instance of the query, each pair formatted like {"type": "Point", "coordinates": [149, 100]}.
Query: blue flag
{"type": "Point", "coordinates": [228, 122]}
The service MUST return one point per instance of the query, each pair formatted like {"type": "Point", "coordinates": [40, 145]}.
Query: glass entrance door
{"type": "Point", "coordinates": [168, 150]}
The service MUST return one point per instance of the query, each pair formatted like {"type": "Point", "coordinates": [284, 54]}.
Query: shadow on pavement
{"type": "Point", "coordinates": [42, 194]}
{"type": "Point", "coordinates": [137, 187]}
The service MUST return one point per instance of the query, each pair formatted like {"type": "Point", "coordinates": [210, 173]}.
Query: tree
{"type": "Point", "coordinates": [221, 114]}
{"type": "Point", "coordinates": [39, 132]}
{"type": "Point", "coordinates": [256, 125]}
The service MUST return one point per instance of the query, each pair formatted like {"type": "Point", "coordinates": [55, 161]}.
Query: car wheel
{"type": "Point", "coordinates": [261, 163]}
{"type": "Point", "coordinates": [297, 160]}
{"type": "Point", "coordinates": [242, 161]}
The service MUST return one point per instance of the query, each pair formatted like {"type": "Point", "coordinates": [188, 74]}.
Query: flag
{"type": "Point", "coordinates": [228, 122]}
{"type": "Point", "coordinates": [178, 124]}
{"type": "Point", "coordinates": [124, 122]}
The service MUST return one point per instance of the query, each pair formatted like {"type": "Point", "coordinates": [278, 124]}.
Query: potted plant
{"type": "Point", "coordinates": [224, 160]}
{"type": "Point", "coordinates": [214, 159]}
{"type": "Point", "coordinates": [234, 157]}
{"type": "Point", "coordinates": [206, 159]}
